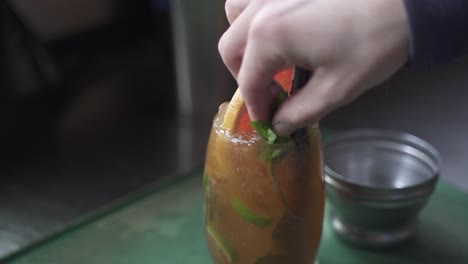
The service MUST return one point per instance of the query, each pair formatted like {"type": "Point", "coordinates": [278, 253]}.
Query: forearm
{"type": "Point", "coordinates": [439, 30]}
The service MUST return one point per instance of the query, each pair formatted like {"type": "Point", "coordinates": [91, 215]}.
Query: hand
{"type": "Point", "coordinates": [350, 46]}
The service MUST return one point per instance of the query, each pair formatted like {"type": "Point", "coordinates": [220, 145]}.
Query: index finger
{"type": "Point", "coordinates": [234, 8]}
{"type": "Point", "coordinates": [256, 77]}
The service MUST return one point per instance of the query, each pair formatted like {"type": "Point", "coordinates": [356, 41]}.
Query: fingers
{"type": "Point", "coordinates": [231, 46]}
{"type": "Point", "coordinates": [334, 38]}
{"type": "Point", "coordinates": [325, 91]}
{"type": "Point", "coordinates": [262, 58]}
{"type": "Point", "coordinates": [234, 8]}
{"type": "Point", "coordinates": [304, 107]}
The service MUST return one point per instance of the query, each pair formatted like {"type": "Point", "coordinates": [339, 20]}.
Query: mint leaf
{"type": "Point", "coordinates": [265, 128]}
{"type": "Point", "coordinates": [279, 99]}
{"type": "Point", "coordinates": [263, 152]}
{"type": "Point", "coordinates": [272, 154]}
{"type": "Point", "coordinates": [261, 127]}
{"type": "Point", "coordinates": [277, 154]}
{"type": "Point", "coordinates": [271, 135]}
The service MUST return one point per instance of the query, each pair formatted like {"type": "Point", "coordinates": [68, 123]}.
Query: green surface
{"type": "Point", "coordinates": [166, 227]}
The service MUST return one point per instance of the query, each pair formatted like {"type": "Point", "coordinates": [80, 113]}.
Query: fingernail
{"type": "Point", "coordinates": [283, 129]}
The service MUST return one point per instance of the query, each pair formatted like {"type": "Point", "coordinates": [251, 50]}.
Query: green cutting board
{"type": "Point", "coordinates": [166, 227]}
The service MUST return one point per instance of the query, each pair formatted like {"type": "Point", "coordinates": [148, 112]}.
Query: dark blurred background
{"type": "Point", "coordinates": [60, 56]}
{"type": "Point", "coordinates": [90, 108]}
{"type": "Point", "coordinates": [103, 98]}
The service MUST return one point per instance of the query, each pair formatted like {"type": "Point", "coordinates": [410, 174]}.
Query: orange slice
{"type": "Point", "coordinates": [236, 118]}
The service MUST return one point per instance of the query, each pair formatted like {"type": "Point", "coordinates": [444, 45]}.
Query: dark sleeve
{"type": "Point", "coordinates": [438, 30]}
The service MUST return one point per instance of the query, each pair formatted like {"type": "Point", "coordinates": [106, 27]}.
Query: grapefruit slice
{"type": "Point", "coordinates": [236, 118]}
{"type": "Point", "coordinates": [236, 108]}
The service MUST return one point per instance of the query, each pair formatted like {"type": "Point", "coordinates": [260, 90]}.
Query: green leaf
{"type": "Point", "coordinates": [265, 131]}
{"type": "Point", "coordinates": [263, 153]}
{"type": "Point", "coordinates": [248, 215]}
{"type": "Point", "coordinates": [279, 99]}
{"type": "Point", "coordinates": [261, 127]}
{"type": "Point", "coordinates": [272, 154]}
{"type": "Point", "coordinates": [264, 128]}
{"type": "Point", "coordinates": [271, 135]}
{"type": "Point", "coordinates": [222, 244]}
{"type": "Point", "coordinates": [277, 154]}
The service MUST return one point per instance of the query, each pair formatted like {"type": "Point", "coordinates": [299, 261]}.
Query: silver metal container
{"type": "Point", "coordinates": [378, 181]}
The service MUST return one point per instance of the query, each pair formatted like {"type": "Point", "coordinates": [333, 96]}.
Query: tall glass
{"type": "Point", "coordinates": [263, 202]}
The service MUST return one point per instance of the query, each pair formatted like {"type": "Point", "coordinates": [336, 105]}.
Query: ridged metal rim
{"type": "Point", "coordinates": [431, 157]}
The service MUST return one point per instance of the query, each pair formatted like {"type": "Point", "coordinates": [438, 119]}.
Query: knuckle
{"type": "Point", "coordinates": [295, 118]}
{"type": "Point", "coordinates": [222, 45]}
{"type": "Point", "coordinates": [225, 49]}
{"type": "Point", "coordinates": [228, 5]}
{"type": "Point", "coordinates": [334, 96]}
{"type": "Point", "coordinates": [234, 8]}
{"type": "Point", "coordinates": [297, 115]}
{"type": "Point", "coordinates": [228, 51]}
{"type": "Point", "coordinates": [231, 6]}
{"type": "Point", "coordinates": [266, 25]}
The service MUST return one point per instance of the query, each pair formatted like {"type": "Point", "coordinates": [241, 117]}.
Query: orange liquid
{"type": "Point", "coordinates": [285, 200]}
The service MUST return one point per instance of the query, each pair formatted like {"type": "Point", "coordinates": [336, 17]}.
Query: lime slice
{"type": "Point", "coordinates": [248, 215]}
{"type": "Point", "coordinates": [222, 244]}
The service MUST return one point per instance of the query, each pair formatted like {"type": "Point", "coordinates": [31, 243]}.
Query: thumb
{"type": "Point", "coordinates": [309, 104]}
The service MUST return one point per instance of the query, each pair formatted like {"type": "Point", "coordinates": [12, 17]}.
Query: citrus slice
{"type": "Point", "coordinates": [235, 108]}
{"type": "Point", "coordinates": [236, 118]}
{"type": "Point", "coordinates": [285, 78]}
{"type": "Point", "coordinates": [222, 244]}
{"type": "Point", "coordinates": [248, 215]}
